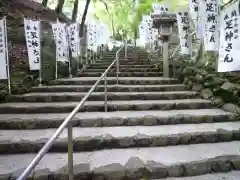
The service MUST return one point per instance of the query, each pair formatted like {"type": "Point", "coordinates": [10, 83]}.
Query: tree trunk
{"type": "Point", "coordinates": [110, 16]}
{"type": "Point", "coordinates": [75, 10]}
{"type": "Point", "coordinates": [84, 17]}
{"type": "Point", "coordinates": [44, 2]}
{"type": "Point", "coordinates": [59, 7]}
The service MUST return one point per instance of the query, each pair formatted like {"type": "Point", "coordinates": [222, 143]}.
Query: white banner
{"type": "Point", "coordinates": [147, 23]}
{"type": "Point", "coordinates": [143, 32]}
{"type": "Point", "coordinates": [184, 33]}
{"type": "Point", "coordinates": [200, 30]}
{"type": "Point", "coordinates": [74, 39]}
{"type": "Point", "coordinates": [194, 10]}
{"type": "Point", "coordinates": [159, 8]}
{"type": "Point", "coordinates": [154, 34]}
{"type": "Point", "coordinates": [92, 36]}
{"type": "Point", "coordinates": [32, 34]}
{"type": "Point", "coordinates": [3, 49]}
{"type": "Point", "coordinates": [229, 39]}
{"type": "Point", "coordinates": [211, 39]}
{"type": "Point", "coordinates": [59, 29]}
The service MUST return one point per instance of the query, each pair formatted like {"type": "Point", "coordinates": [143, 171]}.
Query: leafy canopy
{"type": "Point", "coordinates": [120, 15]}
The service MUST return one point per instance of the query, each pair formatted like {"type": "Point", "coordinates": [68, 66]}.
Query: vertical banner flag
{"type": "Point", "coordinates": [200, 29]}
{"type": "Point", "coordinates": [159, 8]}
{"type": "Point", "coordinates": [3, 50]}
{"type": "Point", "coordinates": [184, 33]}
{"type": "Point", "coordinates": [211, 39]}
{"type": "Point", "coordinates": [73, 39]}
{"type": "Point", "coordinates": [142, 34]}
{"type": "Point", "coordinates": [32, 34]}
{"type": "Point", "coordinates": [60, 33]}
{"type": "Point", "coordinates": [147, 21]}
{"type": "Point", "coordinates": [229, 39]}
{"type": "Point", "coordinates": [92, 36]}
{"type": "Point", "coordinates": [194, 10]}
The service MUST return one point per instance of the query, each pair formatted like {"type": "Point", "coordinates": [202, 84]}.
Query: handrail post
{"type": "Point", "coordinates": [105, 93]}
{"type": "Point", "coordinates": [117, 66]}
{"type": "Point", "coordinates": [70, 151]}
{"type": "Point", "coordinates": [125, 49]}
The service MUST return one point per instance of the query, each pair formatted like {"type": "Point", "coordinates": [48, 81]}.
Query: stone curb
{"type": "Point", "coordinates": [100, 97]}
{"type": "Point", "coordinates": [109, 142]}
{"type": "Point", "coordinates": [110, 89]}
{"type": "Point", "coordinates": [100, 107]}
{"type": "Point", "coordinates": [135, 168]}
{"type": "Point", "coordinates": [116, 121]}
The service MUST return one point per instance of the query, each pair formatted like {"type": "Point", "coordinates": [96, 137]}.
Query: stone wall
{"type": "Point", "coordinates": [223, 89]}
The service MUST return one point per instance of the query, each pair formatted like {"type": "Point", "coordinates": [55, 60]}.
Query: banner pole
{"type": "Point", "coordinates": [40, 62]}
{"type": "Point", "coordinates": [7, 56]}
{"type": "Point", "coordinates": [68, 51]}
{"type": "Point", "coordinates": [86, 55]}
{"type": "Point", "coordinates": [56, 63]}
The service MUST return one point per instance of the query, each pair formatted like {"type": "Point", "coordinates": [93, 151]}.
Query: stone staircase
{"type": "Point", "coordinates": [154, 128]}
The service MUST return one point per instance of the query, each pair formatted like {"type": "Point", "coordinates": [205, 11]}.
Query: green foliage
{"type": "Point", "coordinates": [120, 17]}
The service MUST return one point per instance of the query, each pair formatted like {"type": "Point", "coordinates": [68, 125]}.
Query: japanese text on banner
{"type": "Point", "coordinates": [74, 40]}
{"type": "Point", "coordinates": [60, 33]}
{"type": "Point", "coordinates": [229, 39]}
{"type": "Point", "coordinates": [32, 34]}
{"type": "Point", "coordinates": [184, 33]}
{"type": "Point", "coordinates": [159, 8]}
{"type": "Point", "coordinates": [193, 10]}
{"type": "Point", "coordinates": [92, 36]}
{"type": "Point", "coordinates": [211, 40]}
{"type": "Point", "coordinates": [3, 52]}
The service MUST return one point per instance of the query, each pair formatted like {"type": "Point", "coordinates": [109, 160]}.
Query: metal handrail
{"type": "Point", "coordinates": [66, 123]}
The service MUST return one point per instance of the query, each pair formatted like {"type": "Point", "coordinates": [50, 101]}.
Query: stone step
{"type": "Point", "coordinates": [121, 74]}
{"type": "Point", "coordinates": [90, 139]}
{"type": "Point", "coordinates": [132, 163]}
{"type": "Point", "coordinates": [100, 66]}
{"type": "Point", "coordinates": [123, 63]}
{"type": "Point", "coordinates": [111, 58]}
{"type": "Point", "coordinates": [126, 70]}
{"type": "Point", "coordinates": [100, 96]}
{"type": "Point", "coordinates": [92, 106]}
{"type": "Point", "coordinates": [113, 80]}
{"type": "Point", "coordinates": [117, 118]}
{"type": "Point", "coordinates": [233, 175]}
{"type": "Point", "coordinates": [110, 88]}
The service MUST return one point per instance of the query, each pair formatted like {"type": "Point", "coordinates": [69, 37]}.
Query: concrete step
{"type": "Point", "coordinates": [233, 175]}
{"type": "Point", "coordinates": [116, 118]}
{"type": "Point", "coordinates": [126, 70]}
{"type": "Point", "coordinates": [90, 139]}
{"type": "Point", "coordinates": [113, 80]}
{"type": "Point", "coordinates": [100, 96]}
{"type": "Point", "coordinates": [92, 106]}
{"type": "Point", "coordinates": [121, 74]}
{"type": "Point", "coordinates": [101, 66]}
{"type": "Point", "coordinates": [110, 88]}
{"type": "Point", "coordinates": [131, 163]}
